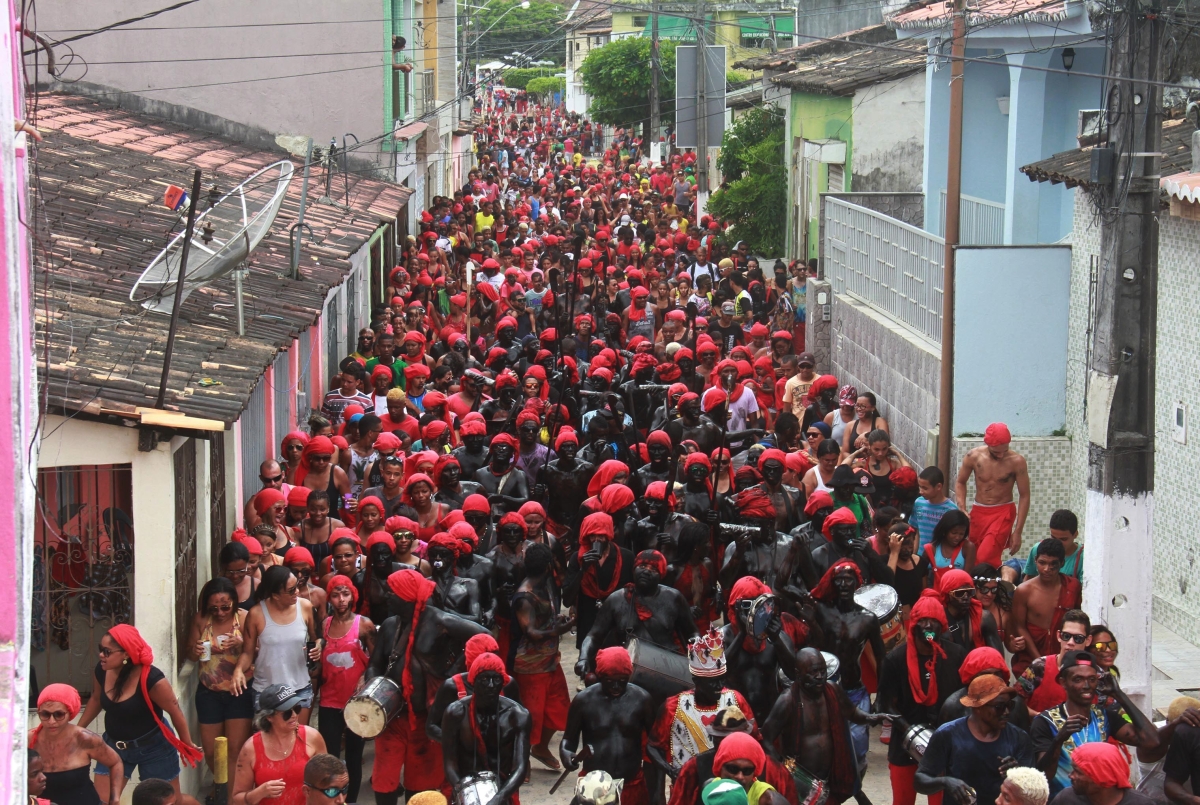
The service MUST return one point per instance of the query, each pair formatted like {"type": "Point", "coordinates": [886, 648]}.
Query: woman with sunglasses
{"type": "Point", "coordinates": [134, 695]}
{"type": "Point", "coordinates": [1104, 646]}
{"type": "Point", "coordinates": [270, 767]}
{"type": "Point", "coordinates": [67, 751]}
{"type": "Point", "coordinates": [238, 565]}
{"type": "Point", "coordinates": [281, 638]}
{"type": "Point", "coordinates": [215, 642]}
{"type": "Point", "coordinates": [814, 434]}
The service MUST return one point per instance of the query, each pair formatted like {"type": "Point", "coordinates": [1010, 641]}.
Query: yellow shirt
{"type": "Point", "coordinates": [756, 790]}
{"type": "Point", "coordinates": [483, 221]}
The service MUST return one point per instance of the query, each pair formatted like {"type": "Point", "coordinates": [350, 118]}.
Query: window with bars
{"type": "Point", "coordinates": [83, 568]}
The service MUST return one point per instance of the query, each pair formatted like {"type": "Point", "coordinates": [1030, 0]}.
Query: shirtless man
{"type": "Point", "coordinates": [996, 521]}
{"type": "Point", "coordinates": [1039, 604]}
{"type": "Point", "coordinates": [690, 425]}
{"type": "Point", "coordinates": [452, 593]}
{"type": "Point", "coordinates": [608, 722]}
{"type": "Point", "coordinates": [661, 528]}
{"type": "Point", "coordinates": [787, 499]}
{"type": "Point", "coordinates": [501, 724]}
{"type": "Point", "coordinates": [809, 722]}
{"type": "Point", "coordinates": [650, 611]}
{"type": "Point", "coordinates": [765, 553]}
{"type": "Point", "coordinates": [567, 477]}
{"type": "Point", "coordinates": [503, 482]}
{"type": "Point", "coordinates": [371, 581]}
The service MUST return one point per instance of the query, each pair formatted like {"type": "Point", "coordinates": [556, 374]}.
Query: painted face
{"type": "Point", "coordinates": [380, 557]}
{"type": "Point", "coordinates": [614, 686]}
{"type": "Point", "coordinates": [440, 559]}
{"type": "Point", "coordinates": [341, 599]}
{"type": "Point", "coordinates": [511, 535]}
{"type": "Point", "coordinates": [845, 583]}
{"type": "Point", "coordinates": [772, 471]}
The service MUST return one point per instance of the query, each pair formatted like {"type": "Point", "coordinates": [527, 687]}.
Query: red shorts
{"type": "Point", "coordinates": [546, 698]}
{"type": "Point", "coordinates": [903, 792]}
{"type": "Point", "coordinates": [635, 791]}
{"type": "Point", "coordinates": [991, 530]}
{"type": "Point", "coordinates": [423, 768]}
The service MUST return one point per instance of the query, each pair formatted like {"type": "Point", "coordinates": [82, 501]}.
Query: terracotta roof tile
{"type": "Point", "coordinates": [937, 14]}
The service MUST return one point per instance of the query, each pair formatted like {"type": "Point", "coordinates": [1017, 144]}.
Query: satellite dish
{"type": "Point", "coordinates": [224, 236]}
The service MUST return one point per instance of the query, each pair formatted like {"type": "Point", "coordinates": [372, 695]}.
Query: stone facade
{"type": "Point", "coordinates": [873, 352]}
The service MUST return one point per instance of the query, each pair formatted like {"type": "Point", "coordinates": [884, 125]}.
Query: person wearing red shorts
{"type": "Point", "coordinates": [996, 520]}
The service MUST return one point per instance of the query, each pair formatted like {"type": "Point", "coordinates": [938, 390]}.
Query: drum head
{"type": "Point", "coordinates": [632, 648]}
{"type": "Point", "coordinates": [879, 599]}
{"type": "Point", "coordinates": [365, 717]}
{"type": "Point", "coordinates": [761, 613]}
{"type": "Point", "coordinates": [832, 664]}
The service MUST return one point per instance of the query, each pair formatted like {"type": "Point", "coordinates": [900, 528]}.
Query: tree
{"type": "Point", "coordinates": [545, 85]}
{"type": "Point", "coordinates": [754, 197]}
{"type": "Point", "coordinates": [536, 31]}
{"type": "Point", "coordinates": [617, 78]}
{"type": "Point", "coordinates": [519, 78]}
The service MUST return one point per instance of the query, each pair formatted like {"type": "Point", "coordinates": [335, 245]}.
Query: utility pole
{"type": "Point", "coordinates": [1120, 394]}
{"type": "Point", "coordinates": [652, 140]}
{"type": "Point", "coordinates": [183, 258]}
{"type": "Point", "coordinates": [958, 49]}
{"type": "Point", "coordinates": [701, 108]}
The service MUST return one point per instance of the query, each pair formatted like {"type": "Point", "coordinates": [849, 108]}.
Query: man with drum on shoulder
{"type": "Point", "coordinates": [458, 686]}
{"type": "Point", "coordinates": [680, 733]}
{"type": "Point", "coordinates": [809, 724]}
{"type": "Point", "coordinates": [485, 738]}
{"type": "Point", "coordinates": [607, 725]}
{"type": "Point", "coordinates": [916, 678]}
{"type": "Point", "coordinates": [759, 639]}
{"type": "Point", "coordinates": [646, 610]}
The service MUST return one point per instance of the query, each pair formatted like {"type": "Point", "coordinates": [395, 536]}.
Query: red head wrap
{"type": "Point", "coordinates": [411, 586]}
{"type": "Point", "coordinates": [605, 476]}
{"type": "Point", "coordinates": [980, 660]}
{"type": "Point", "coordinates": [820, 499]}
{"type": "Point", "coordinates": [252, 543]}
{"type": "Point", "coordinates": [613, 661]}
{"type": "Point", "coordinates": [473, 427]}
{"type": "Point", "coordinates": [824, 589]}
{"type": "Point", "coordinates": [295, 436]}
{"type": "Point", "coordinates": [514, 519]}
{"type": "Point", "coordinates": [956, 579]}
{"type": "Point", "coordinates": [615, 497]}
{"type": "Point", "coordinates": [928, 605]}
{"type": "Point", "coordinates": [477, 503]}
{"type": "Point", "coordinates": [349, 533]}
{"type": "Point", "coordinates": [682, 353]}
{"type": "Point", "coordinates": [267, 498]}
{"type": "Point", "coordinates": [996, 434]}
{"type": "Point", "coordinates": [416, 370]}
{"type": "Point", "coordinates": [653, 559]}
{"type": "Point", "coordinates": [381, 538]}
{"type": "Point", "coordinates": [343, 581]}
{"type": "Point", "coordinates": [298, 555]}
{"type": "Point", "coordinates": [657, 490]}
{"type": "Point", "coordinates": [63, 694]}
{"type": "Point", "coordinates": [745, 587]}
{"type": "Point", "coordinates": [445, 540]}
{"type": "Point", "coordinates": [528, 416]}
{"type": "Point", "coordinates": [740, 746]}
{"type": "Point", "coordinates": [317, 446]}
{"type": "Point", "coordinates": [799, 462]}
{"type": "Point", "coordinates": [388, 441]}
{"type": "Point", "coordinates": [565, 435]}
{"type": "Point", "coordinates": [414, 479]}
{"type": "Point", "coordinates": [532, 507]}
{"type": "Point", "coordinates": [756, 504]}
{"type": "Point", "coordinates": [1103, 764]}
{"type": "Point", "coordinates": [140, 653]}
{"type": "Point", "coordinates": [478, 645]}
{"type": "Point", "coordinates": [296, 496]}
{"type": "Point", "coordinates": [842, 516]}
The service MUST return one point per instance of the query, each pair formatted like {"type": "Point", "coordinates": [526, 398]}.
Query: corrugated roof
{"type": "Point", "coordinates": [1074, 168]}
{"type": "Point", "coordinates": [102, 174]}
{"type": "Point", "coordinates": [1185, 186]}
{"type": "Point", "coordinates": [937, 14]}
{"type": "Point", "coordinates": [846, 72]}
{"type": "Point", "coordinates": [785, 59]}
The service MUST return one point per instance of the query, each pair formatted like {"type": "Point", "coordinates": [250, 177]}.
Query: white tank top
{"type": "Point", "coordinates": [821, 487]}
{"type": "Point", "coordinates": [282, 658]}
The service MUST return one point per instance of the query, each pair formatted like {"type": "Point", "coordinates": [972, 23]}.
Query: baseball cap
{"type": "Point", "coordinates": [720, 791]}
{"type": "Point", "coordinates": [728, 307]}
{"type": "Point", "coordinates": [279, 697]}
{"type": "Point", "coordinates": [863, 483]}
{"type": "Point", "coordinates": [847, 395]}
{"type": "Point", "coordinates": [1077, 658]}
{"type": "Point", "coordinates": [806, 357]}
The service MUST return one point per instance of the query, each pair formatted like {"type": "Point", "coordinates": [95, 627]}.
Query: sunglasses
{"type": "Point", "coordinates": [294, 710]}
{"type": "Point", "coordinates": [293, 590]}
{"type": "Point", "coordinates": [108, 652]}
{"type": "Point", "coordinates": [275, 479]}
{"type": "Point", "coordinates": [813, 435]}
{"type": "Point", "coordinates": [232, 573]}
{"type": "Point", "coordinates": [987, 589]}
{"type": "Point", "coordinates": [733, 768]}
{"type": "Point", "coordinates": [301, 573]}
{"type": "Point", "coordinates": [963, 594]}
{"type": "Point", "coordinates": [57, 715]}
{"type": "Point", "coordinates": [331, 793]}
{"type": "Point", "coordinates": [1002, 707]}
{"type": "Point", "coordinates": [221, 608]}
{"type": "Point", "coordinates": [1078, 639]}
{"type": "Point", "coordinates": [1104, 645]}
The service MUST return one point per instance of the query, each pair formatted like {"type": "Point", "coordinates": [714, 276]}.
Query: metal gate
{"type": "Point", "coordinates": [254, 436]}
{"type": "Point", "coordinates": [185, 547]}
{"type": "Point", "coordinates": [283, 389]}
{"type": "Point", "coordinates": [83, 569]}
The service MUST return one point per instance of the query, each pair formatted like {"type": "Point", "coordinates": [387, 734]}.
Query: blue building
{"type": "Point", "coordinates": [1022, 103]}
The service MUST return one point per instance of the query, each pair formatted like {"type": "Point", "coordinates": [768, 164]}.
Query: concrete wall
{"type": "Point", "coordinates": [70, 442]}
{"type": "Point", "coordinates": [833, 17]}
{"type": "Point", "coordinates": [1085, 251]}
{"type": "Point", "coordinates": [262, 74]}
{"type": "Point", "coordinates": [889, 127]}
{"type": "Point", "coordinates": [1030, 343]}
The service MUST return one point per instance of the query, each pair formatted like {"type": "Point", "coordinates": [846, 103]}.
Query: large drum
{"type": "Point", "coordinates": [884, 603]}
{"type": "Point", "coordinates": [478, 789]}
{"type": "Point", "coordinates": [832, 666]}
{"type": "Point", "coordinates": [916, 741]}
{"type": "Point", "coordinates": [368, 713]}
{"type": "Point", "coordinates": [659, 671]}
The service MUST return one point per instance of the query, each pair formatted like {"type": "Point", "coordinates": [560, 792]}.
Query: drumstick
{"type": "Point", "coordinates": [583, 755]}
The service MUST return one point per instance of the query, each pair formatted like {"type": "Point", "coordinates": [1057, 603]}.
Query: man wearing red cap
{"type": "Point", "coordinates": [487, 732]}
{"type": "Point", "coordinates": [996, 520]}
{"type": "Point", "coordinates": [612, 719]}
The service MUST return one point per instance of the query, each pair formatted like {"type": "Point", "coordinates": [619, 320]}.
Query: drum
{"type": "Point", "coordinates": [478, 789]}
{"type": "Point", "coordinates": [758, 613]}
{"type": "Point", "coordinates": [368, 713]}
{"type": "Point", "coordinates": [832, 665]}
{"type": "Point", "coordinates": [882, 601]}
{"type": "Point", "coordinates": [659, 671]}
{"type": "Point", "coordinates": [916, 740]}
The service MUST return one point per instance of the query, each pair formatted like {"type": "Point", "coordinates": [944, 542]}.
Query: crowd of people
{"type": "Point", "coordinates": [585, 415]}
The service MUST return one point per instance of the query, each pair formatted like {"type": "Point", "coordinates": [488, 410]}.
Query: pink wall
{"type": "Point", "coordinates": [18, 458]}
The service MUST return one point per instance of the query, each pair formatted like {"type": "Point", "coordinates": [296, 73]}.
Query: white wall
{"type": "Point", "coordinates": [307, 94]}
{"type": "Point", "coordinates": [889, 136]}
{"type": "Point", "coordinates": [1010, 350]}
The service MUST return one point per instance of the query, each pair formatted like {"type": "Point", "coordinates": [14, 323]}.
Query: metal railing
{"type": "Point", "coordinates": [891, 266]}
{"type": "Point", "coordinates": [980, 222]}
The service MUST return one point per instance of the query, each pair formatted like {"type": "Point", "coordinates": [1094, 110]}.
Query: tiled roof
{"type": "Point", "coordinates": [785, 59]}
{"type": "Point", "coordinates": [1184, 186]}
{"type": "Point", "coordinates": [1074, 168]}
{"type": "Point", "coordinates": [102, 172]}
{"type": "Point", "coordinates": [937, 14]}
{"type": "Point", "coordinates": [855, 67]}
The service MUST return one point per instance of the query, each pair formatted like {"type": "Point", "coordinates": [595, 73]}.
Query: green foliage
{"type": "Point", "coordinates": [617, 77]}
{"type": "Point", "coordinates": [737, 77]}
{"type": "Point", "coordinates": [754, 198]}
{"type": "Point", "coordinates": [519, 77]}
{"type": "Point", "coordinates": [536, 31]}
{"type": "Point", "coordinates": [546, 85]}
